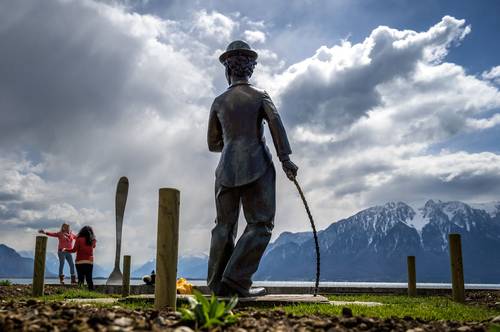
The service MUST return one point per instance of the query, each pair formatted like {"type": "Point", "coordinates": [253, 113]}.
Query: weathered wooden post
{"type": "Point", "coordinates": [39, 265]}
{"type": "Point", "coordinates": [412, 276]}
{"type": "Point", "coordinates": [457, 269]}
{"type": "Point", "coordinates": [167, 249]}
{"type": "Point", "coordinates": [126, 276]}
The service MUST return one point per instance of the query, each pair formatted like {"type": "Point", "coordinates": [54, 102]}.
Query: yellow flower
{"type": "Point", "coordinates": [184, 287]}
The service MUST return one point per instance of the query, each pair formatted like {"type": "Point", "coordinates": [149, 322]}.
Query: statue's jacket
{"type": "Point", "coordinates": [236, 129]}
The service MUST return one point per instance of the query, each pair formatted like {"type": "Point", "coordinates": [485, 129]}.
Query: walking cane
{"type": "Point", "coordinates": [301, 193]}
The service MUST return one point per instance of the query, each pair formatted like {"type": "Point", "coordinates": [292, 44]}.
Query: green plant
{"type": "Point", "coordinates": [494, 328]}
{"type": "Point", "coordinates": [207, 313]}
{"type": "Point", "coordinates": [5, 283]}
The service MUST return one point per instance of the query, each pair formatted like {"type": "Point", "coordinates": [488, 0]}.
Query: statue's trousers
{"type": "Point", "coordinates": [234, 264]}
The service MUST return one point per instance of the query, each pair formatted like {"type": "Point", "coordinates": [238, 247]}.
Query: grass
{"type": "Point", "coordinates": [5, 283]}
{"type": "Point", "coordinates": [75, 293]}
{"type": "Point", "coordinates": [127, 304]}
{"type": "Point", "coordinates": [423, 307]}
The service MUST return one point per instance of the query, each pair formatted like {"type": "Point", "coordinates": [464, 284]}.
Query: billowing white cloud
{"type": "Point", "coordinates": [214, 25]}
{"type": "Point", "coordinates": [338, 85]}
{"type": "Point", "coordinates": [492, 75]}
{"type": "Point", "coordinates": [255, 36]}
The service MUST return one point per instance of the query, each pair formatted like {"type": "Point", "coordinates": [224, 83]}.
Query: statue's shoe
{"type": "Point", "coordinates": [253, 292]}
{"type": "Point", "coordinates": [226, 289]}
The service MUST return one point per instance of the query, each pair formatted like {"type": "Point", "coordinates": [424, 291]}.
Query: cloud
{"type": "Point", "coordinates": [363, 115]}
{"type": "Point", "coordinates": [91, 96]}
{"type": "Point", "coordinates": [492, 75]}
{"type": "Point", "coordinates": [94, 91]}
{"type": "Point", "coordinates": [339, 85]}
{"type": "Point", "coordinates": [255, 36]}
{"type": "Point", "coordinates": [463, 176]}
{"type": "Point", "coordinates": [214, 25]}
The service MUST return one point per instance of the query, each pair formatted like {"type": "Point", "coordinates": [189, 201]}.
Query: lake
{"type": "Point", "coordinates": [20, 281]}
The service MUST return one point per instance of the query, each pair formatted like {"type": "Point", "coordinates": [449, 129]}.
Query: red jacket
{"type": "Point", "coordinates": [65, 239]}
{"type": "Point", "coordinates": [84, 252]}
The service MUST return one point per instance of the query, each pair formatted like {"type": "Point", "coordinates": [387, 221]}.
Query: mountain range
{"type": "Point", "coordinates": [12, 264]}
{"type": "Point", "coordinates": [189, 267]}
{"type": "Point", "coordinates": [371, 245]}
{"type": "Point", "coordinates": [52, 265]}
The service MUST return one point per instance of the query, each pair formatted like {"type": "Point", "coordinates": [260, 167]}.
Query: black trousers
{"type": "Point", "coordinates": [234, 264]}
{"type": "Point", "coordinates": [84, 271]}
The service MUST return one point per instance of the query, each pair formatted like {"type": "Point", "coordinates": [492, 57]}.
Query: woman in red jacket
{"type": "Point", "coordinates": [84, 248]}
{"type": "Point", "coordinates": [66, 238]}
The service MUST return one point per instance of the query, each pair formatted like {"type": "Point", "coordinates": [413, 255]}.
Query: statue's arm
{"type": "Point", "coordinates": [214, 134]}
{"type": "Point", "coordinates": [276, 127]}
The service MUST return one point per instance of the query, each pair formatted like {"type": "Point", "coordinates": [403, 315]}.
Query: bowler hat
{"type": "Point", "coordinates": [238, 47]}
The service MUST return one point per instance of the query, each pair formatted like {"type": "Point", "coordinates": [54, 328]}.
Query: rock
{"type": "Point", "coordinates": [17, 315]}
{"type": "Point", "coordinates": [346, 312]}
{"type": "Point", "coordinates": [31, 302]}
{"type": "Point", "coordinates": [321, 323]}
{"type": "Point", "coordinates": [185, 329]}
{"type": "Point", "coordinates": [159, 320]}
{"type": "Point", "coordinates": [363, 326]}
{"type": "Point", "coordinates": [123, 321]}
{"type": "Point", "coordinates": [349, 322]}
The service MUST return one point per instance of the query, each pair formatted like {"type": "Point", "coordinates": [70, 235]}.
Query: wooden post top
{"type": "Point", "coordinates": [169, 189]}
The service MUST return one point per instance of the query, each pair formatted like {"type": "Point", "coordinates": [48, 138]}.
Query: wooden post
{"type": "Point", "coordinates": [166, 249]}
{"type": "Point", "coordinates": [39, 265]}
{"type": "Point", "coordinates": [457, 269]}
{"type": "Point", "coordinates": [412, 276]}
{"type": "Point", "coordinates": [126, 276]}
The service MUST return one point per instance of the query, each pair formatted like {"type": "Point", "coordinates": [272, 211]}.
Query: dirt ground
{"type": "Point", "coordinates": [17, 314]}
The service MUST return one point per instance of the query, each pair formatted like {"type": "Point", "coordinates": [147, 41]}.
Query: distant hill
{"type": "Point", "coordinates": [191, 267]}
{"type": "Point", "coordinates": [372, 245]}
{"type": "Point", "coordinates": [13, 265]}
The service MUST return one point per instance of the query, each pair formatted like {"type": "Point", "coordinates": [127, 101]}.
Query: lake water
{"type": "Point", "coordinates": [296, 284]}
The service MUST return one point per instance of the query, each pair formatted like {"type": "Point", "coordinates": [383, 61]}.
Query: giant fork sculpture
{"type": "Point", "coordinates": [115, 278]}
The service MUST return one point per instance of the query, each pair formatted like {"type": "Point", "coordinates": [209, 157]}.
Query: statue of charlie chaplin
{"type": "Point", "coordinates": [245, 174]}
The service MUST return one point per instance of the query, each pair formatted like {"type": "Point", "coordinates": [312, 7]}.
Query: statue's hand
{"type": "Point", "coordinates": [290, 169]}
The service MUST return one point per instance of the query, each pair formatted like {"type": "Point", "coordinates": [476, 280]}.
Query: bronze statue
{"type": "Point", "coordinates": [245, 174]}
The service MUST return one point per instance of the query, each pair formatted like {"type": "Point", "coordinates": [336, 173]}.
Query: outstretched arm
{"type": "Point", "coordinates": [280, 138]}
{"type": "Point", "coordinates": [214, 134]}
{"type": "Point", "coordinates": [53, 234]}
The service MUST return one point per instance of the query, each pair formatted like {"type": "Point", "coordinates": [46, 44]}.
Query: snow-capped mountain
{"type": "Point", "coordinates": [372, 245]}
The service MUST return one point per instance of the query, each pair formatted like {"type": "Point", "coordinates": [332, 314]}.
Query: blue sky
{"type": "Point", "coordinates": [356, 19]}
{"type": "Point", "coordinates": [377, 97]}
